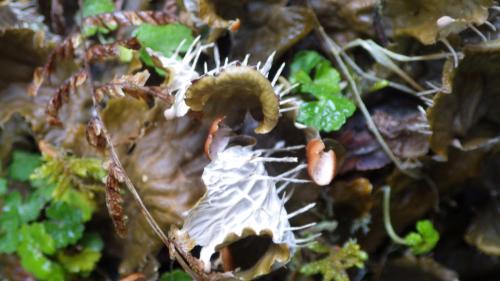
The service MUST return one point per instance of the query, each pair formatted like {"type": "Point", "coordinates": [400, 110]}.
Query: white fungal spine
{"type": "Point", "coordinates": [242, 200]}
{"type": "Point", "coordinates": [182, 72]}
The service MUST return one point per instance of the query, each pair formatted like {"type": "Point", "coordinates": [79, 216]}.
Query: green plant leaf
{"type": "Point", "coordinates": [71, 173]}
{"type": "Point", "coordinates": [301, 77]}
{"type": "Point", "coordinates": [31, 209]}
{"type": "Point", "coordinates": [304, 61]}
{"type": "Point", "coordinates": [380, 84]}
{"type": "Point", "coordinates": [23, 164]}
{"type": "Point", "coordinates": [125, 55]}
{"type": "Point", "coordinates": [92, 241]}
{"type": "Point", "coordinates": [34, 243]}
{"type": "Point", "coordinates": [10, 223]}
{"type": "Point", "coordinates": [36, 235]}
{"type": "Point", "coordinates": [15, 212]}
{"type": "Point", "coordinates": [326, 78]}
{"type": "Point", "coordinates": [9, 236]}
{"type": "Point", "coordinates": [164, 39]}
{"type": "Point", "coordinates": [95, 7]}
{"type": "Point", "coordinates": [80, 200]}
{"type": "Point", "coordinates": [326, 115]}
{"type": "Point", "coordinates": [84, 261]}
{"type": "Point", "coordinates": [65, 224]}
{"type": "Point", "coordinates": [86, 168]}
{"type": "Point", "coordinates": [330, 111]}
{"type": "Point", "coordinates": [43, 188]}
{"type": "Point", "coordinates": [50, 171]}
{"type": "Point", "coordinates": [10, 205]}
{"type": "Point", "coordinates": [424, 240]}
{"type": "Point", "coordinates": [175, 275]}
{"type": "Point", "coordinates": [334, 266]}
{"type": "Point", "coordinates": [326, 81]}
{"type": "Point", "coordinates": [3, 186]}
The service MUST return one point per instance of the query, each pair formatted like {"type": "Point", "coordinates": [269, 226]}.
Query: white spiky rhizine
{"type": "Point", "coordinates": [280, 90]}
{"type": "Point", "coordinates": [240, 196]}
{"type": "Point", "coordinates": [423, 126]}
{"type": "Point", "coordinates": [183, 72]}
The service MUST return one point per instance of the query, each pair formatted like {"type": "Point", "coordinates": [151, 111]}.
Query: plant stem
{"type": "Point", "coordinates": [387, 217]}
{"type": "Point", "coordinates": [187, 262]}
{"type": "Point", "coordinates": [335, 50]}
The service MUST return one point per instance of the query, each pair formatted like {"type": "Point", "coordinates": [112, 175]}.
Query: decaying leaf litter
{"type": "Point", "coordinates": [257, 139]}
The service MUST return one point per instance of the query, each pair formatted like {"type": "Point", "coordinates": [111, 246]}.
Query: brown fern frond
{"type": "Point", "coordinates": [37, 81]}
{"type": "Point", "coordinates": [114, 200]}
{"type": "Point", "coordinates": [95, 134]}
{"type": "Point", "coordinates": [62, 95]}
{"type": "Point", "coordinates": [110, 51]}
{"type": "Point", "coordinates": [128, 18]}
{"type": "Point", "coordinates": [190, 264]}
{"type": "Point", "coordinates": [64, 50]}
{"type": "Point", "coordinates": [133, 85]}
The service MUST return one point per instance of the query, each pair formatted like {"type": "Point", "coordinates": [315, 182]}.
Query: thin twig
{"type": "Point", "coordinates": [374, 78]}
{"type": "Point", "coordinates": [335, 50]}
{"type": "Point", "coordinates": [183, 258]}
{"type": "Point", "coordinates": [180, 257]}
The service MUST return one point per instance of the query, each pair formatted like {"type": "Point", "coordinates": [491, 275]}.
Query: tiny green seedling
{"type": "Point", "coordinates": [421, 241]}
{"type": "Point", "coordinates": [330, 109]}
{"type": "Point", "coordinates": [339, 259]}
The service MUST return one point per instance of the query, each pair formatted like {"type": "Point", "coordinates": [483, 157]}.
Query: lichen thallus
{"type": "Point", "coordinates": [243, 205]}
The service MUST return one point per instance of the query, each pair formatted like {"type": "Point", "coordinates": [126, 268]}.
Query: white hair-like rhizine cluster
{"type": "Point", "coordinates": [183, 72]}
{"type": "Point", "coordinates": [242, 200]}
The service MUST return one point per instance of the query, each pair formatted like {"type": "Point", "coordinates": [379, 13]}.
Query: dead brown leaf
{"type": "Point", "coordinates": [166, 166]}
{"type": "Point", "coordinates": [469, 117]}
{"type": "Point", "coordinates": [419, 19]}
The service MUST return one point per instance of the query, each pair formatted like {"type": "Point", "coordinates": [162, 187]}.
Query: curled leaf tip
{"type": "Point", "coordinates": [242, 87]}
